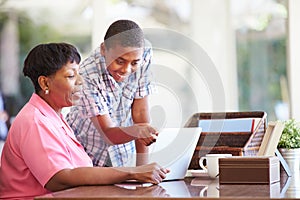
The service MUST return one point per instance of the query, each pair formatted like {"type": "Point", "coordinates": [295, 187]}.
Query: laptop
{"type": "Point", "coordinates": [174, 149]}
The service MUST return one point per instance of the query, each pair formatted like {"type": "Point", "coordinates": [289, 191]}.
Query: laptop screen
{"type": "Point", "coordinates": [174, 149]}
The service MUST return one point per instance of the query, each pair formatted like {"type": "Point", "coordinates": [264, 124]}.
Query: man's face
{"type": "Point", "coordinates": [122, 61]}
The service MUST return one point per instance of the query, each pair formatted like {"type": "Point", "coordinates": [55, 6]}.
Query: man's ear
{"type": "Point", "coordinates": [43, 82]}
{"type": "Point", "coordinates": [102, 49]}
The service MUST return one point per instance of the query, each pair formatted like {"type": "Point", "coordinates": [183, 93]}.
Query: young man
{"type": "Point", "coordinates": [112, 120]}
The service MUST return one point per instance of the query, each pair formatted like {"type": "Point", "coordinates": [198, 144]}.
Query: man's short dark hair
{"type": "Point", "coordinates": [125, 33]}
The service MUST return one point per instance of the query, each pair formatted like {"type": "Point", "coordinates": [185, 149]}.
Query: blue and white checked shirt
{"type": "Point", "coordinates": [103, 95]}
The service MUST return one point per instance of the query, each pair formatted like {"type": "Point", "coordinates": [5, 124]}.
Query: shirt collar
{"type": "Point", "coordinates": [45, 108]}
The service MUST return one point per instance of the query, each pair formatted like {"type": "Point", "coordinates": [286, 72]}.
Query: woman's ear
{"type": "Point", "coordinates": [43, 82]}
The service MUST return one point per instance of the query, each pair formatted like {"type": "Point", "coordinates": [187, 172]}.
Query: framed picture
{"type": "Point", "coordinates": [271, 138]}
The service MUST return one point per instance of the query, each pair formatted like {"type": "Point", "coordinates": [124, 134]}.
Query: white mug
{"type": "Point", "coordinates": [211, 189]}
{"type": "Point", "coordinates": [212, 163]}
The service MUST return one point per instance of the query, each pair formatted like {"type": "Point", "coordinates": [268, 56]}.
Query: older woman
{"type": "Point", "coordinates": [41, 153]}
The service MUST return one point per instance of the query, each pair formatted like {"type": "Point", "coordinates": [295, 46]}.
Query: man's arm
{"type": "Point", "coordinates": [114, 134]}
{"type": "Point", "coordinates": [141, 131]}
{"type": "Point", "coordinates": [141, 115]}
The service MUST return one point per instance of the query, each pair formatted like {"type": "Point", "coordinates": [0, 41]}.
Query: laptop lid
{"type": "Point", "coordinates": [174, 149]}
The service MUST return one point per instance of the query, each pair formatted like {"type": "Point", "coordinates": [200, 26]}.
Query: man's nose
{"type": "Point", "coordinates": [79, 79]}
{"type": "Point", "coordinates": [126, 68]}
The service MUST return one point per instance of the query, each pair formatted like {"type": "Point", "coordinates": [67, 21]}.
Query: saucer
{"type": "Point", "coordinates": [197, 173]}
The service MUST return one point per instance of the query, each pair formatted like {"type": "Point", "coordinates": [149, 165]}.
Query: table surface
{"type": "Point", "coordinates": [189, 188]}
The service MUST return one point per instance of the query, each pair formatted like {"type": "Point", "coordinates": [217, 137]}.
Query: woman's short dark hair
{"type": "Point", "coordinates": [47, 59]}
{"type": "Point", "coordinates": [125, 33]}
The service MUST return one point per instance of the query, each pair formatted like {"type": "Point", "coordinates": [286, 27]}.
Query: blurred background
{"type": "Point", "coordinates": [251, 43]}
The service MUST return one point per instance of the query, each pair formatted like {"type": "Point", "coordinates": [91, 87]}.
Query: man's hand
{"type": "Point", "coordinates": [145, 133]}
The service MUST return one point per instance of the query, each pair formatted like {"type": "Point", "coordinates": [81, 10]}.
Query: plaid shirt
{"type": "Point", "coordinates": [103, 95]}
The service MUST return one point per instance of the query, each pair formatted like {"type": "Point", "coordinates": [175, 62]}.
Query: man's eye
{"type": "Point", "coordinates": [120, 62]}
{"type": "Point", "coordinates": [71, 76]}
{"type": "Point", "coordinates": [136, 63]}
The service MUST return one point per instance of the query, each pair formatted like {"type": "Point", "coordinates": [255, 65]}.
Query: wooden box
{"type": "Point", "coordinates": [244, 143]}
{"type": "Point", "coordinates": [240, 191]}
{"type": "Point", "coordinates": [249, 170]}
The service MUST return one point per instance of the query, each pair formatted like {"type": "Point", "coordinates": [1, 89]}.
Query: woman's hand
{"type": "Point", "coordinates": [150, 173]}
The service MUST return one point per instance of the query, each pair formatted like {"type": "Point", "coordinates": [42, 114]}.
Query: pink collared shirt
{"type": "Point", "coordinates": [39, 144]}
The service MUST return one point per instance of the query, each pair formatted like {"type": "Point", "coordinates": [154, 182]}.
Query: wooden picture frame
{"type": "Point", "coordinates": [271, 138]}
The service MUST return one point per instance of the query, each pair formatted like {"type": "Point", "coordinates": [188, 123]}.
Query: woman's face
{"type": "Point", "coordinates": [65, 87]}
{"type": "Point", "coordinates": [122, 61]}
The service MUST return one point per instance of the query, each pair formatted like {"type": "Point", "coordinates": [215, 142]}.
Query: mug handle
{"type": "Point", "coordinates": [201, 163]}
{"type": "Point", "coordinates": [203, 191]}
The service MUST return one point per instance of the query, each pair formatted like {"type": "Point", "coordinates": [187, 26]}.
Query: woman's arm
{"type": "Point", "coordinates": [68, 178]}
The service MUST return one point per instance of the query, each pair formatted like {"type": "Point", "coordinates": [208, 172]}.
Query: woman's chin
{"type": "Point", "coordinates": [74, 100]}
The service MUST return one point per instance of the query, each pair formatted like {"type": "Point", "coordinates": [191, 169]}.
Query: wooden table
{"type": "Point", "coordinates": [189, 188]}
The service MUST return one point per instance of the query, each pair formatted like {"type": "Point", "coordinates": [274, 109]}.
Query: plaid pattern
{"type": "Point", "coordinates": [103, 95]}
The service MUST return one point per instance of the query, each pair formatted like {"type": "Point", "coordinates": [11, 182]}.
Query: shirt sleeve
{"type": "Point", "coordinates": [94, 100]}
{"type": "Point", "coordinates": [53, 154]}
